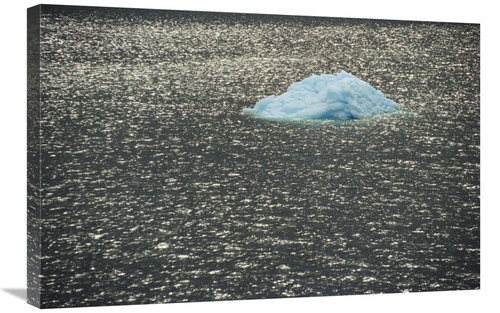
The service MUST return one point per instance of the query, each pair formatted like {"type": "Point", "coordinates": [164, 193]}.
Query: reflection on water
{"type": "Point", "coordinates": [156, 188]}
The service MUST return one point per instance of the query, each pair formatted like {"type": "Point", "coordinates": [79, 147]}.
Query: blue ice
{"type": "Point", "coordinates": [325, 97]}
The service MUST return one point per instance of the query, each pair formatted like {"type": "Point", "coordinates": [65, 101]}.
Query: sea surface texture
{"type": "Point", "coordinates": [157, 188]}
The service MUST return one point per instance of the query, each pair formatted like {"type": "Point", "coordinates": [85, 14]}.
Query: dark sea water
{"type": "Point", "coordinates": [156, 187]}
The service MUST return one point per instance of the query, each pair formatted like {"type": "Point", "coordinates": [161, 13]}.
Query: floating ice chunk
{"type": "Point", "coordinates": [325, 97]}
{"type": "Point", "coordinates": [162, 245]}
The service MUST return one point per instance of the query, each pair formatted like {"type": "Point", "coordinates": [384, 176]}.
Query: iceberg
{"type": "Point", "coordinates": [325, 97]}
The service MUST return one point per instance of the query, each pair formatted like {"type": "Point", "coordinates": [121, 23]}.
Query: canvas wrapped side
{"type": "Point", "coordinates": [33, 157]}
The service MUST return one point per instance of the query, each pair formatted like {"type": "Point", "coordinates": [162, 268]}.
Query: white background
{"type": "Point", "coordinates": [13, 153]}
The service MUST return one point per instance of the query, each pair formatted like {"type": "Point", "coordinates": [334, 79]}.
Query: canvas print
{"type": "Point", "coordinates": [181, 156]}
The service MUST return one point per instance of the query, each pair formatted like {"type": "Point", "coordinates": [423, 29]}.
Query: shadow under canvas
{"type": "Point", "coordinates": [17, 292]}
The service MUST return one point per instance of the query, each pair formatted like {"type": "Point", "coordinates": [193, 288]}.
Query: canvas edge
{"type": "Point", "coordinates": [33, 157]}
